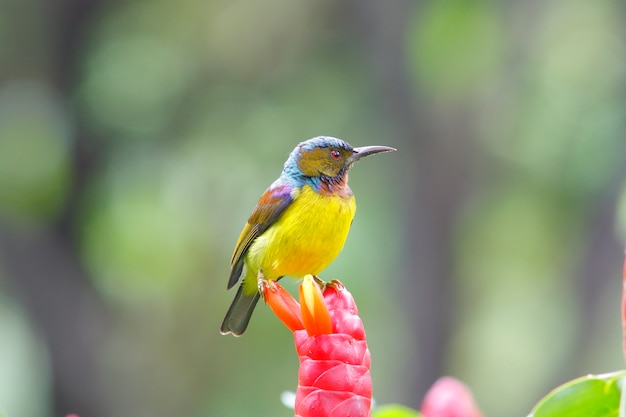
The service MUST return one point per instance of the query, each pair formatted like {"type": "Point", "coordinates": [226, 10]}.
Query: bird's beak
{"type": "Point", "coordinates": [359, 153]}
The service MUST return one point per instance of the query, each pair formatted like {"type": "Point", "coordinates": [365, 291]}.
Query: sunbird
{"type": "Point", "coordinates": [299, 225]}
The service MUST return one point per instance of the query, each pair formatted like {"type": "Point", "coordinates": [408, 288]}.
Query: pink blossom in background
{"type": "Point", "coordinates": [449, 397]}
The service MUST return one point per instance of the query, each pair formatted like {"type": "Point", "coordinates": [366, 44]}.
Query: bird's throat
{"type": "Point", "coordinates": [335, 186]}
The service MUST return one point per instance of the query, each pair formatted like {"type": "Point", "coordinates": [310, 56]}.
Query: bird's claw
{"type": "Point", "coordinates": [262, 283]}
{"type": "Point", "coordinates": [320, 282]}
{"type": "Point", "coordinates": [334, 284]}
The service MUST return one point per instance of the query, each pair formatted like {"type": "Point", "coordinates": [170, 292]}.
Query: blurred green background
{"type": "Point", "coordinates": [136, 137]}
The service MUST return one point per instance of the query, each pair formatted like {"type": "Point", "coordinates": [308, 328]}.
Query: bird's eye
{"type": "Point", "coordinates": [336, 155]}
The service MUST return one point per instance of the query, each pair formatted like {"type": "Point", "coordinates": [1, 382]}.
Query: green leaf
{"type": "Point", "coordinates": [588, 396]}
{"type": "Point", "coordinates": [395, 410]}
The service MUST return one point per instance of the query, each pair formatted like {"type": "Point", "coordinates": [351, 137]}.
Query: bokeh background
{"type": "Point", "coordinates": [137, 135]}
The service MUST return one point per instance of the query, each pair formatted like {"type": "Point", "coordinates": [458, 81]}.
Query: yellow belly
{"type": "Point", "coordinates": [305, 240]}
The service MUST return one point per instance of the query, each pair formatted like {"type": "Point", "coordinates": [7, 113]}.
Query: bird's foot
{"type": "Point", "coordinates": [262, 283]}
{"type": "Point", "coordinates": [334, 284]}
{"type": "Point", "coordinates": [320, 282]}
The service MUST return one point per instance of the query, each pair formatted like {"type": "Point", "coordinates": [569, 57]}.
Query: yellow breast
{"type": "Point", "coordinates": [306, 238]}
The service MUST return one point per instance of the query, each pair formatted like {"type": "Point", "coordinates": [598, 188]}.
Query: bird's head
{"type": "Point", "coordinates": [325, 156]}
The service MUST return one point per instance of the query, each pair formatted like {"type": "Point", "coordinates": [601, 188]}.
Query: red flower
{"type": "Point", "coordinates": [334, 376]}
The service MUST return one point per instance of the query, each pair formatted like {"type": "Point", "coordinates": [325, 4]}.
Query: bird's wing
{"type": "Point", "coordinates": [269, 208]}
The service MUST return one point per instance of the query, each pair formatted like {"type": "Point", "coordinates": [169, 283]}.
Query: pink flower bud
{"type": "Point", "coordinates": [449, 397]}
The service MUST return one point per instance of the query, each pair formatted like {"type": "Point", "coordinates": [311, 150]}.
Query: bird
{"type": "Point", "coordinates": [299, 225]}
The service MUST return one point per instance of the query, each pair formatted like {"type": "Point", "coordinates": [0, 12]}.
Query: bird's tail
{"type": "Point", "coordinates": [239, 313]}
